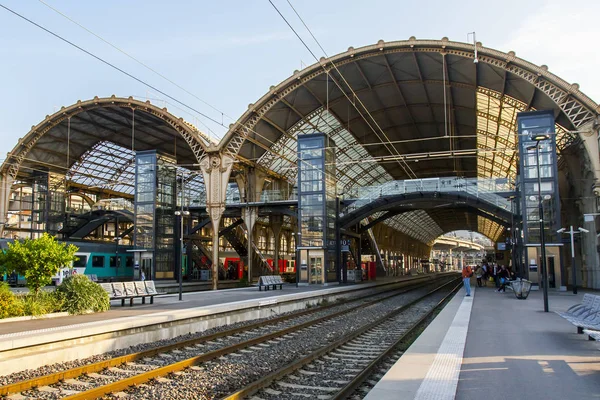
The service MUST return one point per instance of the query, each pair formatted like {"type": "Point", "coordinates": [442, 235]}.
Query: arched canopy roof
{"type": "Point", "coordinates": [94, 140]}
{"type": "Point", "coordinates": [409, 109]}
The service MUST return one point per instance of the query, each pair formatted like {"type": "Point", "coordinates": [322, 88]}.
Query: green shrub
{"type": "Point", "coordinates": [10, 305]}
{"type": "Point", "coordinates": [82, 295]}
{"type": "Point", "coordinates": [289, 277]}
{"type": "Point", "coordinates": [243, 282]}
{"type": "Point", "coordinates": [44, 302]}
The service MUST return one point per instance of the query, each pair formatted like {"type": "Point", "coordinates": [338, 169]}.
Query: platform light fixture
{"type": "Point", "coordinates": [538, 139]}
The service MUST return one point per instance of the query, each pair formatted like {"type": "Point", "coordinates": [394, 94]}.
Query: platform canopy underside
{"type": "Point", "coordinates": [410, 109]}
{"type": "Point", "coordinates": [93, 143]}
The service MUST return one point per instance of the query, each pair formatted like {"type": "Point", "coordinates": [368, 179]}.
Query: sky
{"type": "Point", "coordinates": [228, 53]}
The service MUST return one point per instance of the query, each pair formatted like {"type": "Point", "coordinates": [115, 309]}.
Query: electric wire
{"type": "Point", "coordinates": [409, 172]}
{"type": "Point", "coordinates": [135, 59]}
{"type": "Point", "coordinates": [128, 74]}
{"type": "Point", "coordinates": [111, 65]}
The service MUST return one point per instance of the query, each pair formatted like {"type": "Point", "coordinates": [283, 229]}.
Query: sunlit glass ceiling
{"type": "Point", "coordinates": [497, 133]}
{"type": "Point", "coordinates": [106, 165]}
{"type": "Point", "coordinates": [350, 173]}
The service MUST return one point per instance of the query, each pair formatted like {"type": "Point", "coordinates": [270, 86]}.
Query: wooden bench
{"type": "Point", "coordinates": [130, 290]}
{"type": "Point", "coordinates": [268, 281]}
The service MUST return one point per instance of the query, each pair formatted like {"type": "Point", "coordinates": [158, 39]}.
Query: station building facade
{"type": "Point", "coordinates": [117, 171]}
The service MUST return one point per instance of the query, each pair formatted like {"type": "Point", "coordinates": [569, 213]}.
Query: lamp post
{"type": "Point", "coordinates": [117, 239]}
{"type": "Point", "coordinates": [573, 233]}
{"type": "Point", "coordinates": [181, 214]}
{"type": "Point", "coordinates": [538, 138]}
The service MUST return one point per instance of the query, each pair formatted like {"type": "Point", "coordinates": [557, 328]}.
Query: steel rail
{"type": "Point", "coordinates": [358, 380]}
{"type": "Point", "coordinates": [143, 377]}
{"type": "Point", "coordinates": [116, 361]}
{"type": "Point", "coordinates": [267, 379]}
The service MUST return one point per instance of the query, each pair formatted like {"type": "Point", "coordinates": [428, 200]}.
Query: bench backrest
{"type": "Point", "coordinates": [267, 280]}
{"type": "Point", "coordinates": [140, 288]}
{"type": "Point", "coordinates": [108, 289]}
{"type": "Point", "coordinates": [150, 288]}
{"type": "Point", "coordinates": [588, 299]}
{"type": "Point", "coordinates": [129, 288]}
{"type": "Point", "coordinates": [595, 306]}
{"type": "Point", "coordinates": [118, 289]}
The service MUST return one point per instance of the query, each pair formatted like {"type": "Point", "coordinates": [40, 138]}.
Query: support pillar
{"type": "Point", "coordinates": [6, 182]}
{"type": "Point", "coordinates": [250, 216]}
{"type": "Point", "coordinates": [216, 169]}
{"type": "Point", "coordinates": [276, 225]}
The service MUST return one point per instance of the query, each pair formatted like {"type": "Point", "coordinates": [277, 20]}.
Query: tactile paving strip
{"type": "Point", "coordinates": [441, 380]}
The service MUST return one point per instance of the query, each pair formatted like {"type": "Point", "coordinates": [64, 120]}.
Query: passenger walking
{"type": "Point", "coordinates": [485, 276]}
{"type": "Point", "coordinates": [142, 276]}
{"type": "Point", "coordinates": [495, 271]}
{"type": "Point", "coordinates": [503, 276]}
{"type": "Point", "coordinates": [479, 275]}
{"type": "Point", "coordinates": [467, 272]}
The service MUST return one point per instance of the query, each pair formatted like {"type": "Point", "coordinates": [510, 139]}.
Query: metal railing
{"type": "Point", "coordinates": [113, 204]}
{"type": "Point", "coordinates": [482, 188]}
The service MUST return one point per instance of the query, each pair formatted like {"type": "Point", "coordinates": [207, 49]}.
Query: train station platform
{"type": "Point", "coordinates": [493, 346]}
{"type": "Point", "coordinates": [71, 337]}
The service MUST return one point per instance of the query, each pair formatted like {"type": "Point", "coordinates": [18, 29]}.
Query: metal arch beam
{"type": "Point", "coordinates": [15, 158]}
{"type": "Point", "coordinates": [500, 109]}
{"type": "Point", "coordinates": [447, 74]}
{"type": "Point", "coordinates": [424, 87]}
{"type": "Point", "coordinates": [395, 201]}
{"type": "Point", "coordinates": [579, 110]}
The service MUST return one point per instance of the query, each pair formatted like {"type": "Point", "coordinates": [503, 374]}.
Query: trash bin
{"type": "Point", "coordinates": [521, 287]}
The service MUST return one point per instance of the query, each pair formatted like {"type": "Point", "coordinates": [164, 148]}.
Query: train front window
{"type": "Point", "coordinates": [81, 262]}
{"type": "Point", "coordinates": [98, 261]}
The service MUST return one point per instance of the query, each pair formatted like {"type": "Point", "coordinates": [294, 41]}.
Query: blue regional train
{"type": "Point", "coordinates": [102, 260]}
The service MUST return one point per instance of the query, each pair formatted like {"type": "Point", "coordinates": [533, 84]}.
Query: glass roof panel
{"type": "Point", "coordinates": [496, 129]}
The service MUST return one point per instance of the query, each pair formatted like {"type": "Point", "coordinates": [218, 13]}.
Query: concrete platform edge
{"type": "Point", "coordinates": [405, 378]}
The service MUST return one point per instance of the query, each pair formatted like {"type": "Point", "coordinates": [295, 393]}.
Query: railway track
{"type": "Point", "coordinates": [348, 367]}
{"type": "Point", "coordinates": [112, 375]}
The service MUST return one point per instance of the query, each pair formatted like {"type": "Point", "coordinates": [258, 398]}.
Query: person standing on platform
{"type": "Point", "coordinates": [495, 271]}
{"type": "Point", "coordinates": [479, 275]}
{"type": "Point", "coordinates": [485, 276]}
{"type": "Point", "coordinates": [503, 276]}
{"type": "Point", "coordinates": [467, 272]}
{"type": "Point", "coordinates": [142, 276]}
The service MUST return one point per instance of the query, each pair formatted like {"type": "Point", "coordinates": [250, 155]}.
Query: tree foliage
{"type": "Point", "coordinates": [38, 259]}
{"type": "Point", "coordinates": [82, 295]}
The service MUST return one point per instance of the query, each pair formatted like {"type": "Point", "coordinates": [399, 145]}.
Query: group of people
{"type": "Point", "coordinates": [499, 274]}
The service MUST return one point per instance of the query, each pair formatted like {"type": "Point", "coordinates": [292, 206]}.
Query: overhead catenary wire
{"type": "Point", "coordinates": [129, 74]}
{"type": "Point", "coordinates": [135, 59]}
{"type": "Point", "coordinates": [404, 166]}
{"type": "Point", "coordinates": [111, 65]}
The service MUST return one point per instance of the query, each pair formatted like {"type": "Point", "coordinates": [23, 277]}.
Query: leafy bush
{"type": "Point", "coordinates": [243, 282]}
{"type": "Point", "coordinates": [42, 302]}
{"type": "Point", "coordinates": [10, 305]}
{"type": "Point", "coordinates": [82, 295]}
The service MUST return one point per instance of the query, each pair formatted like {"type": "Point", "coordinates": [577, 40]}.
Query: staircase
{"type": "Point", "coordinates": [369, 246]}
{"type": "Point", "coordinates": [236, 236]}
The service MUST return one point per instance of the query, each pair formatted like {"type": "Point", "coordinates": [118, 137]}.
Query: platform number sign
{"type": "Point", "coordinates": [345, 243]}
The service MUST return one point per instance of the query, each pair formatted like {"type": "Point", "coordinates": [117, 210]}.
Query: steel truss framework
{"type": "Point", "coordinates": [501, 85]}
{"type": "Point", "coordinates": [406, 91]}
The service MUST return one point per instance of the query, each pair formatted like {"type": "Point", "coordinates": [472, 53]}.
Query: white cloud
{"type": "Point", "coordinates": [563, 36]}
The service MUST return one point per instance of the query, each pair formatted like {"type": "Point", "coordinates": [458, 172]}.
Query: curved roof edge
{"type": "Point", "coordinates": [197, 140]}
{"type": "Point", "coordinates": [485, 55]}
